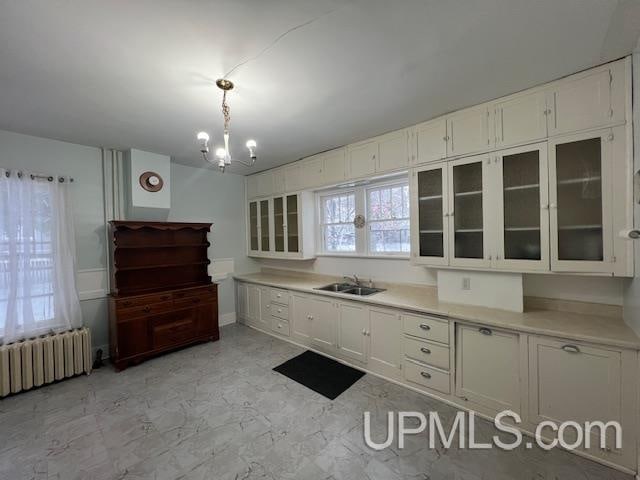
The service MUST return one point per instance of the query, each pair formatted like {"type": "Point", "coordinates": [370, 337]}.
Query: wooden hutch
{"type": "Point", "coordinates": [161, 297]}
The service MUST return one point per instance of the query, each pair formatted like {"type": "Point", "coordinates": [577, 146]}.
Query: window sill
{"type": "Point", "coordinates": [369, 257]}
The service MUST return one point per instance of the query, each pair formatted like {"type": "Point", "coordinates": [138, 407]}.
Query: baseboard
{"type": "Point", "coordinates": [227, 319]}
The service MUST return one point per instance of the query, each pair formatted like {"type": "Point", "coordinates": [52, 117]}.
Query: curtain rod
{"type": "Point", "coordinates": [49, 178]}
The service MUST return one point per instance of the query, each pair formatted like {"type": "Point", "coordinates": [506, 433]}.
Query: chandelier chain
{"type": "Point", "coordinates": [225, 111]}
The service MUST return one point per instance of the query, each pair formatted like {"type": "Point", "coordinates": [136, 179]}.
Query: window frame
{"type": "Point", "coordinates": [381, 186]}
{"type": "Point", "coordinates": [321, 224]}
{"type": "Point", "coordinates": [362, 234]}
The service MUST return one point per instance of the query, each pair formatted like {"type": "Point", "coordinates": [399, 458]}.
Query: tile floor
{"type": "Point", "coordinates": [218, 411]}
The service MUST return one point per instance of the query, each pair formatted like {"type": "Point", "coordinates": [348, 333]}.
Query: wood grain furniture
{"type": "Point", "coordinates": [162, 297]}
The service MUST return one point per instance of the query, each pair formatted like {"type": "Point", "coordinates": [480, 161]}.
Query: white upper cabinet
{"type": "Point", "coordinates": [469, 203]}
{"type": "Point", "coordinates": [292, 179]}
{"type": "Point", "coordinates": [468, 131]}
{"type": "Point", "coordinates": [333, 169]}
{"type": "Point", "coordinates": [521, 119]}
{"type": "Point", "coordinates": [362, 159]}
{"type": "Point", "coordinates": [584, 101]}
{"type": "Point", "coordinates": [522, 208]}
{"type": "Point", "coordinates": [581, 201]}
{"type": "Point", "coordinates": [278, 181]}
{"type": "Point", "coordinates": [431, 141]}
{"type": "Point", "coordinates": [393, 151]}
{"type": "Point", "coordinates": [311, 172]}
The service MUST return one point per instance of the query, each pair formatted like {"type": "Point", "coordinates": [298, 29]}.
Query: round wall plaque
{"type": "Point", "coordinates": [359, 221]}
{"type": "Point", "coordinates": [151, 182]}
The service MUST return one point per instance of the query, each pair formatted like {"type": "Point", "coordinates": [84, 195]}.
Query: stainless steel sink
{"type": "Point", "coordinates": [336, 287]}
{"type": "Point", "coordinates": [363, 291]}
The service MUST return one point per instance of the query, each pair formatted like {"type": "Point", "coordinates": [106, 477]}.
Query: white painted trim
{"type": "Point", "coordinates": [226, 319]}
{"type": "Point", "coordinates": [92, 283]}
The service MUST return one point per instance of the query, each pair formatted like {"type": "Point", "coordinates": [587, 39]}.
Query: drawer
{"type": "Point", "coordinates": [193, 301]}
{"type": "Point", "coordinates": [429, 328]}
{"type": "Point", "coordinates": [280, 326]}
{"type": "Point", "coordinates": [142, 301]}
{"type": "Point", "coordinates": [425, 376]}
{"type": "Point", "coordinates": [280, 296]}
{"type": "Point", "coordinates": [280, 311]}
{"type": "Point", "coordinates": [425, 352]}
{"type": "Point", "coordinates": [143, 310]}
{"type": "Point", "coordinates": [204, 292]}
{"type": "Point", "coordinates": [175, 332]}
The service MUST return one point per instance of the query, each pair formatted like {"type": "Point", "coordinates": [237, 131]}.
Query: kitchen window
{"type": "Point", "coordinates": [385, 208]}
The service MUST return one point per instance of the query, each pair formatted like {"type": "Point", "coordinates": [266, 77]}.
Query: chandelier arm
{"type": "Point", "coordinates": [253, 161]}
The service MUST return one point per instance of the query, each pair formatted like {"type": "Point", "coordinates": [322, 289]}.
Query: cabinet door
{"type": "Point", "coordinates": [581, 103]}
{"type": "Point", "coordinates": [292, 178]}
{"type": "Point", "coordinates": [385, 337]}
{"type": "Point", "coordinates": [353, 328]}
{"type": "Point", "coordinates": [302, 311]}
{"type": "Point", "coordinates": [278, 181]}
{"type": "Point", "coordinates": [264, 319]}
{"type": "Point", "coordinates": [253, 304]}
{"type": "Point", "coordinates": [278, 225]}
{"type": "Point", "coordinates": [488, 367]}
{"type": "Point", "coordinates": [393, 152]}
{"type": "Point", "coordinates": [522, 119]}
{"type": "Point", "coordinates": [292, 225]}
{"type": "Point", "coordinates": [580, 196]}
{"type": "Point", "coordinates": [254, 241]}
{"type": "Point", "coordinates": [362, 159]}
{"type": "Point", "coordinates": [134, 337]}
{"type": "Point", "coordinates": [265, 184]}
{"type": "Point", "coordinates": [570, 381]}
{"type": "Point", "coordinates": [323, 324]}
{"type": "Point", "coordinates": [265, 220]}
{"type": "Point", "coordinates": [311, 172]}
{"type": "Point", "coordinates": [468, 206]}
{"type": "Point", "coordinates": [429, 216]}
{"type": "Point", "coordinates": [242, 306]}
{"type": "Point", "coordinates": [468, 131]}
{"type": "Point", "coordinates": [333, 167]}
{"type": "Point", "coordinates": [431, 141]}
{"type": "Point", "coordinates": [523, 208]}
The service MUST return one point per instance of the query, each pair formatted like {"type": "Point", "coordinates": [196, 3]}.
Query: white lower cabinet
{"type": "Point", "coordinates": [385, 342]}
{"type": "Point", "coordinates": [264, 319]}
{"type": "Point", "coordinates": [488, 368]}
{"type": "Point", "coordinates": [578, 382]}
{"type": "Point", "coordinates": [353, 331]}
{"type": "Point", "coordinates": [301, 308]}
{"type": "Point", "coordinates": [253, 309]}
{"type": "Point", "coordinates": [323, 324]}
{"type": "Point", "coordinates": [242, 301]}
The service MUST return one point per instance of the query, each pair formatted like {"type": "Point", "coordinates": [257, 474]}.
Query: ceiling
{"type": "Point", "coordinates": [310, 74]}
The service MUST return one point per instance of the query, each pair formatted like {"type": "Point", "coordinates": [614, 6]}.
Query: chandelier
{"type": "Point", "coordinates": [223, 154]}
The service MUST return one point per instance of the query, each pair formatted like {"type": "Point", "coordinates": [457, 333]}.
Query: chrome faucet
{"type": "Point", "coordinates": [355, 280]}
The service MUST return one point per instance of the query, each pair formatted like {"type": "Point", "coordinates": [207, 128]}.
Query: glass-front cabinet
{"type": "Point", "coordinates": [580, 202]}
{"type": "Point", "coordinates": [429, 224]}
{"type": "Point", "coordinates": [468, 206]}
{"type": "Point", "coordinates": [522, 208]}
{"type": "Point", "coordinates": [278, 229]}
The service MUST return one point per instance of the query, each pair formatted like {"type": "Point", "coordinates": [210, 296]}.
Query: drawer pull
{"type": "Point", "coordinates": [571, 348]}
{"type": "Point", "coordinates": [425, 350]}
{"type": "Point", "coordinates": [485, 331]}
{"type": "Point", "coordinates": [424, 326]}
{"type": "Point", "coordinates": [146, 309]}
{"type": "Point", "coordinates": [425, 374]}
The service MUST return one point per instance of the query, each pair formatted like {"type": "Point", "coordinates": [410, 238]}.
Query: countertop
{"type": "Point", "coordinates": [569, 325]}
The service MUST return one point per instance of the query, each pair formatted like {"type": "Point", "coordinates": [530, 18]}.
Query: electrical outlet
{"type": "Point", "coordinates": [466, 283]}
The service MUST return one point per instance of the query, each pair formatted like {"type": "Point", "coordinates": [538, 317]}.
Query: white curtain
{"type": "Point", "coordinates": [38, 291]}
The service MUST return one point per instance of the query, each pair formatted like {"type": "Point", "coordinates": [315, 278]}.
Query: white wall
{"type": "Point", "coordinates": [606, 290]}
{"type": "Point", "coordinates": [631, 310]}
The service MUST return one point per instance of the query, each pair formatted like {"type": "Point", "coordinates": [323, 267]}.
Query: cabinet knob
{"type": "Point", "coordinates": [545, 206]}
{"type": "Point", "coordinates": [364, 332]}
{"type": "Point", "coordinates": [553, 205]}
{"type": "Point", "coordinates": [147, 309]}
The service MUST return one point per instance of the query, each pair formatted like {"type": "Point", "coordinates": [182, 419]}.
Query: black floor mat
{"type": "Point", "coordinates": [320, 374]}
